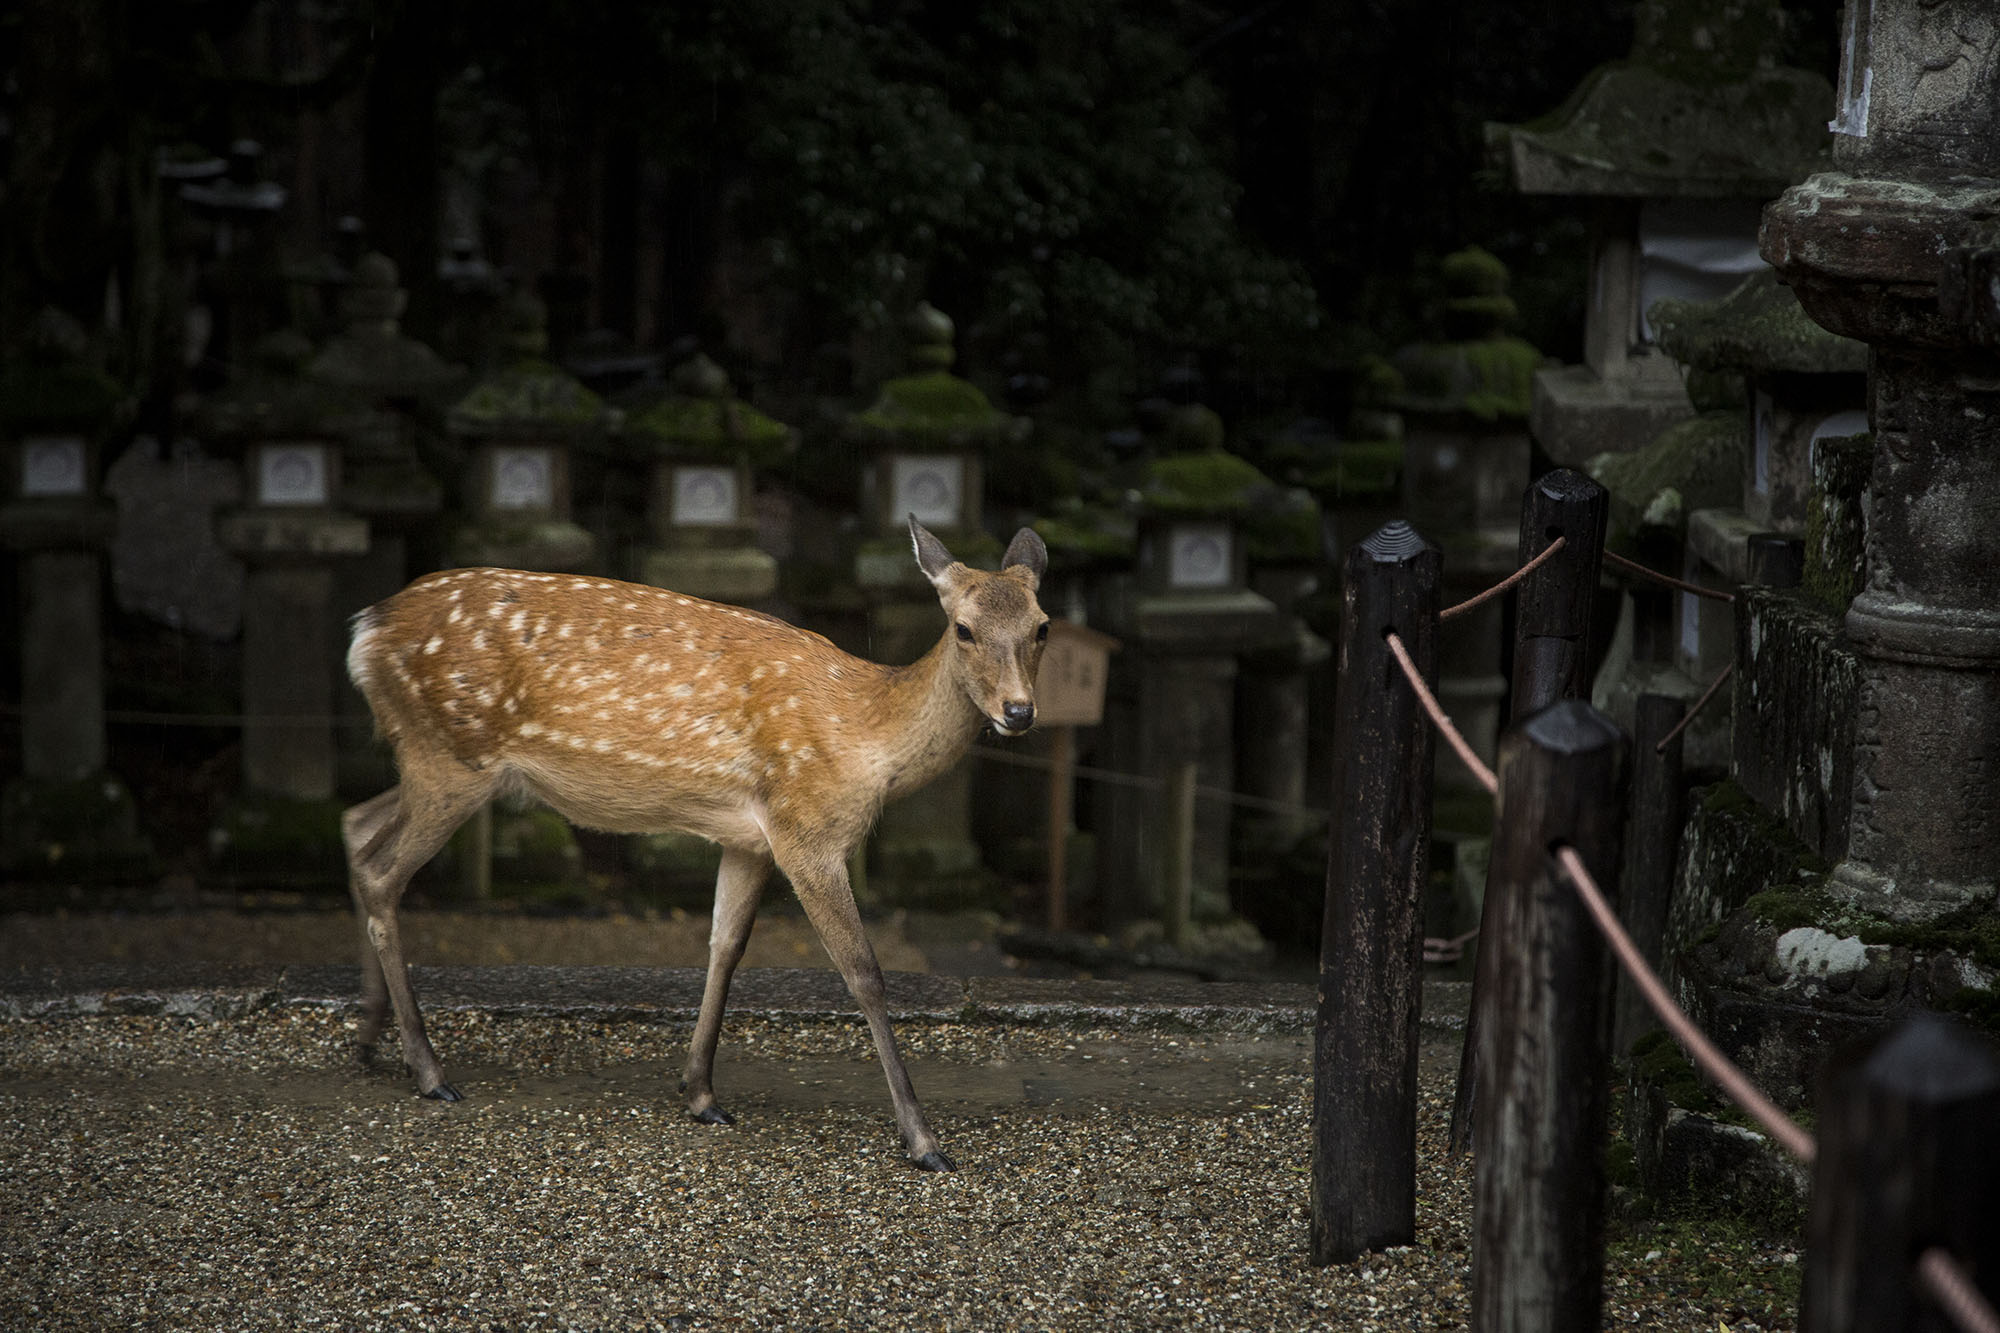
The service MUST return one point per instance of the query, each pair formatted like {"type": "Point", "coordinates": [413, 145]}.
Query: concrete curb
{"type": "Point", "coordinates": [215, 991]}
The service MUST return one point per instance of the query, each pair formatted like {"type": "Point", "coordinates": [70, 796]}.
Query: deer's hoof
{"type": "Point", "coordinates": [936, 1161]}
{"type": "Point", "coordinates": [713, 1115]}
{"type": "Point", "coordinates": [364, 1056]}
{"type": "Point", "coordinates": [444, 1092]}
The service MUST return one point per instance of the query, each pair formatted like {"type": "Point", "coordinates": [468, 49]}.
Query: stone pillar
{"type": "Point", "coordinates": [1189, 619]}
{"type": "Point", "coordinates": [291, 535]}
{"type": "Point", "coordinates": [1880, 249]}
{"type": "Point", "coordinates": [65, 814]}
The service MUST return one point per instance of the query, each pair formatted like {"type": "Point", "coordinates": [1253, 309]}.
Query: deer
{"type": "Point", "coordinates": [633, 709]}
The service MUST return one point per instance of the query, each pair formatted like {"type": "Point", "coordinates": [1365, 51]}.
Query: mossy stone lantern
{"type": "Point", "coordinates": [703, 447]}
{"type": "Point", "coordinates": [64, 813]}
{"type": "Point", "coordinates": [1191, 506]}
{"type": "Point", "coordinates": [292, 537]}
{"type": "Point", "coordinates": [517, 427]}
{"type": "Point", "coordinates": [926, 436]}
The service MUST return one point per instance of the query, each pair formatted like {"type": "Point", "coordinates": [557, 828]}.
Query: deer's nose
{"type": "Point", "coordinates": [1017, 716]}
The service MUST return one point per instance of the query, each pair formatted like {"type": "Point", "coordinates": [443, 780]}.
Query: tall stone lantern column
{"type": "Point", "coordinates": [291, 535]}
{"type": "Point", "coordinates": [1897, 247]}
{"type": "Point", "coordinates": [65, 813]}
{"type": "Point", "coordinates": [1464, 404]}
{"type": "Point", "coordinates": [923, 443]}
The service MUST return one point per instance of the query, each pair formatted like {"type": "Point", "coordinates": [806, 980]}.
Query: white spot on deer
{"type": "Point", "coordinates": [432, 644]}
{"type": "Point", "coordinates": [683, 690]}
{"type": "Point", "coordinates": [576, 742]}
{"type": "Point", "coordinates": [564, 632]}
{"type": "Point", "coordinates": [511, 704]}
{"type": "Point", "coordinates": [602, 746]}
{"type": "Point", "coordinates": [518, 619]}
{"type": "Point", "coordinates": [456, 614]}
{"type": "Point", "coordinates": [526, 728]}
{"type": "Point", "coordinates": [479, 642]}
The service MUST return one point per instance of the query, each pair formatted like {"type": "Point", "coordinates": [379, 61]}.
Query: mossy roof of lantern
{"type": "Point", "coordinates": [529, 396]}
{"type": "Point", "coordinates": [1634, 130]}
{"type": "Point", "coordinates": [1081, 533]}
{"type": "Point", "coordinates": [1283, 524]}
{"type": "Point", "coordinates": [1212, 483]}
{"type": "Point", "coordinates": [707, 429]}
{"type": "Point", "coordinates": [1758, 327]}
{"type": "Point", "coordinates": [276, 398]}
{"type": "Point", "coordinates": [1487, 379]}
{"type": "Point", "coordinates": [934, 405]}
{"type": "Point", "coordinates": [378, 359]}
{"type": "Point", "coordinates": [1692, 464]}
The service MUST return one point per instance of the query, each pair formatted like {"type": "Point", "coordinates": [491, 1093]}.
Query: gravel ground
{"type": "Point", "coordinates": [171, 1173]}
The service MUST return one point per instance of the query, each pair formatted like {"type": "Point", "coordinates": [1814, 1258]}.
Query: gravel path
{"type": "Point", "coordinates": [172, 1173]}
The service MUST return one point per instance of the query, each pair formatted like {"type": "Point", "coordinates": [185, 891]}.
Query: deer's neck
{"type": "Point", "coordinates": [928, 723]}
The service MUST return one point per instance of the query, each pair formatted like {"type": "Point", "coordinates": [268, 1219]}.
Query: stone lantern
{"type": "Point", "coordinates": [1896, 247]}
{"type": "Point", "coordinates": [1464, 402]}
{"type": "Point", "coordinates": [393, 388]}
{"type": "Point", "coordinates": [517, 428]}
{"type": "Point", "coordinates": [1676, 146]}
{"type": "Point", "coordinates": [924, 442]}
{"type": "Point", "coordinates": [926, 437]}
{"type": "Point", "coordinates": [703, 446]}
{"type": "Point", "coordinates": [65, 812]}
{"type": "Point", "coordinates": [1189, 618]}
{"type": "Point", "coordinates": [291, 534]}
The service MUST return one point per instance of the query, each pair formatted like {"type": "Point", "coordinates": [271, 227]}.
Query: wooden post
{"type": "Point", "coordinates": [1652, 846]}
{"type": "Point", "coordinates": [1551, 662]}
{"type": "Point", "coordinates": [1364, 1156]}
{"type": "Point", "coordinates": [1178, 853]}
{"type": "Point", "coordinates": [1062, 802]}
{"type": "Point", "coordinates": [1907, 1159]}
{"type": "Point", "coordinates": [1543, 997]}
{"type": "Point", "coordinates": [1552, 613]}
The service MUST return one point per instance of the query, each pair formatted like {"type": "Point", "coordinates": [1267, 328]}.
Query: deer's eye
{"type": "Point", "coordinates": [964, 634]}
{"type": "Point", "coordinates": [1042, 632]}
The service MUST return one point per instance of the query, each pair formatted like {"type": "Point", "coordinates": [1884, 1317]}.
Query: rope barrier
{"type": "Point", "coordinates": [1938, 1271]}
{"type": "Point", "coordinates": [1643, 571]}
{"type": "Point", "coordinates": [1438, 719]}
{"type": "Point", "coordinates": [1699, 704]}
{"type": "Point", "coordinates": [1263, 804]}
{"type": "Point", "coordinates": [1506, 583]}
{"type": "Point", "coordinates": [1949, 1285]}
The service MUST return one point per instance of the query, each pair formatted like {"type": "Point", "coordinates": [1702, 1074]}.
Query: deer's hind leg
{"type": "Point", "coordinates": [389, 838]}
{"type": "Point", "coordinates": [739, 884]}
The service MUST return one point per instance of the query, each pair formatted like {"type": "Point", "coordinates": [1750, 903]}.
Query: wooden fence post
{"type": "Point", "coordinates": [1652, 844]}
{"type": "Point", "coordinates": [1907, 1159]}
{"type": "Point", "coordinates": [1553, 606]}
{"type": "Point", "coordinates": [1551, 662]}
{"type": "Point", "coordinates": [1364, 1156]}
{"type": "Point", "coordinates": [1543, 999]}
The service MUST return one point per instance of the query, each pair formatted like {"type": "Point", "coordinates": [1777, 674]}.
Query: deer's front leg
{"type": "Point", "coordinates": [829, 902]}
{"type": "Point", "coordinates": [739, 884]}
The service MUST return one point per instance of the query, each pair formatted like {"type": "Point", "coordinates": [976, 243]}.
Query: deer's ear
{"type": "Point", "coordinates": [932, 558]}
{"type": "Point", "coordinates": [1029, 554]}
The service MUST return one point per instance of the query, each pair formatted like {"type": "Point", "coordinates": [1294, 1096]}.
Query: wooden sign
{"type": "Point", "coordinates": [1069, 689]}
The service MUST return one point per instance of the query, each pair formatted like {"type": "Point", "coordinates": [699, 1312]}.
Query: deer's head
{"type": "Point", "coordinates": [998, 628]}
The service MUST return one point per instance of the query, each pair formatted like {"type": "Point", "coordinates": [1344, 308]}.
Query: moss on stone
{"type": "Point", "coordinates": [1700, 460]}
{"type": "Point", "coordinates": [709, 429]}
{"type": "Point", "coordinates": [1836, 530]}
{"type": "Point", "coordinates": [1210, 484]}
{"type": "Point", "coordinates": [1283, 527]}
{"type": "Point", "coordinates": [529, 394]}
{"type": "Point", "coordinates": [1658, 1062]}
{"type": "Point", "coordinates": [931, 402]}
{"type": "Point", "coordinates": [1488, 379]}
{"type": "Point", "coordinates": [1360, 470]}
{"type": "Point", "coordinates": [1088, 534]}
{"type": "Point", "coordinates": [1759, 327]}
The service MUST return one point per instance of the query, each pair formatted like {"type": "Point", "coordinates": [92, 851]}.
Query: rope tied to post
{"type": "Point", "coordinates": [1937, 1270]}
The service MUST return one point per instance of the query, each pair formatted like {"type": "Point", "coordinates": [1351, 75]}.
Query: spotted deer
{"type": "Point", "coordinates": [637, 710]}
